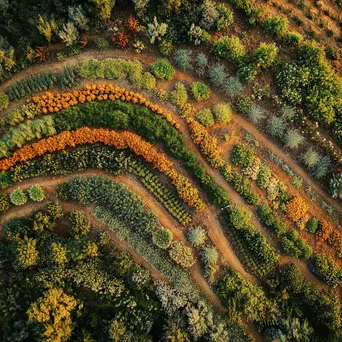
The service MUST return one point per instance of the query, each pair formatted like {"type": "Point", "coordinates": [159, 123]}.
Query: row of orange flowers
{"type": "Point", "coordinates": [120, 140]}
{"type": "Point", "coordinates": [54, 102]}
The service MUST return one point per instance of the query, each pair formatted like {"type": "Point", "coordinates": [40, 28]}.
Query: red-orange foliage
{"type": "Point", "coordinates": [121, 140]}
{"type": "Point", "coordinates": [83, 42]}
{"type": "Point", "coordinates": [120, 39]}
{"type": "Point", "coordinates": [133, 24]}
{"type": "Point", "coordinates": [51, 103]}
{"type": "Point", "coordinates": [296, 208]}
{"type": "Point", "coordinates": [324, 231]}
{"type": "Point", "coordinates": [41, 53]}
{"type": "Point", "coordinates": [335, 240]}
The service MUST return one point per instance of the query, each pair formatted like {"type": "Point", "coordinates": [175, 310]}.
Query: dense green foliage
{"type": "Point", "coordinates": [163, 70]}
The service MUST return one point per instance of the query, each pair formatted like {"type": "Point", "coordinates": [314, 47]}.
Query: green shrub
{"type": "Point", "coordinates": [263, 177]}
{"type": "Point", "coordinates": [243, 104]}
{"type": "Point", "coordinates": [225, 18]}
{"type": "Point", "coordinates": [276, 127]}
{"type": "Point", "coordinates": [326, 269]}
{"type": "Point", "coordinates": [292, 38]}
{"type": "Point", "coordinates": [205, 117]}
{"type": "Point", "coordinates": [275, 25]}
{"type": "Point", "coordinates": [197, 236]}
{"type": "Point", "coordinates": [217, 74]}
{"type": "Point", "coordinates": [310, 158]}
{"type": "Point", "coordinates": [292, 235]}
{"type": "Point", "coordinates": [5, 203]}
{"type": "Point", "coordinates": [18, 197]}
{"type": "Point", "coordinates": [247, 70]}
{"type": "Point", "coordinates": [179, 95]}
{"type": "Point", "coordinates": [331, 53]}
{"type": "Point", "coordinates": [271, 220]}
{"type": "Point", "coordinates": [228, 48]}
{"type": "Point", "coordinates": [200, 91]}
{"type": "Point", "coordinates": [79, 223]}
{"type": "Point", "coordinates": [101, 43]}
{"type": "Point", "coordinates": [321, 169]}
{"type": "Point", "coordinates": [222, 113]}
{"type": "Point", "coordinates": [265, 55]}
{"type": "Point", "coordinates": [312, 225]}
{"type": "Point", "coordinates": [162, 237]}
{"type": "Point", "coordinates": [183, 59]}
{"type": "Point", "coordinates": [242, 155]}
{"type": "Point", "coordinates": [163, 70]}
{"type": "Point", "coordinates": [240, 217]}
{"type": "Point", "coordinates": [36, 193]}
{"type": "Point", "coordinates": [166, 47]}
{"type": "Point", "coordinates": [4, 101]}
{"type": "Point", "coordinates": [182, 254]}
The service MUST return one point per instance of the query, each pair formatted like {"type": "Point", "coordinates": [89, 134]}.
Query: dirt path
{"type": "Point", "coordinates": [214, 99]}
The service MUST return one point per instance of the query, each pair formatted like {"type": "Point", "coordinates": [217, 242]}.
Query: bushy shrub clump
{"type": "Point", "coordinates": [233, 86]}
{"type": "Point", "coordinates": [243, 104]}
{"type": "Point", "coordinates": [275, 25]}
{"type": "Point", "coordinates": [325, 269]}
{"type": "Point", "coordinates": [222, 113]}
{"type": "Point", "coordinates": [182, 254]}
{"type": "Point", "coordinates": [163, 70]}
{"type": "Point", "coordinates": [265, 55]}
{"type": "Point", "coordinates": [217, 74]}
{"type": "Point", "coordinates": [242, 155]}
{"type": "Point", "coordinates": [166, 47]}
{"type": "Point", "coordinates": [162, 237]}
{"type": "Point", "coordinates": [79, 223]}
{"type": "Point", "coordinates": [312, 225]}
{"type": "Point", "coordinates": [18, 197]}
{"type": "Point", "coordinates": [200, 91]}
{"type": "Point", "coordinates": [228, 48]}
{"type": "Point", "coordinates": [179, 95]}
{"type": "Point", "coordinates": [5, 203]}
{"type": "Point", "coordinates": [295, 247]}
{"type": "Point", "coordinates": [205, 117]}
{"type": "Point", "coordinates": [292, 38]}
{"type": "Point", "coordinates": [271, 220]}
{"type": "Point", "coordinates": [36, 193]}
{"type": "Point", "coordinates": [101, 43]}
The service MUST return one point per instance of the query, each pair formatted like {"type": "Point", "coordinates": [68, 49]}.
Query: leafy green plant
{"type": "Point", "coordinates": [275, 25]}
{"type": "Point", "coordinates": [101, 43]}
{"type": "Point", "coordinates": [292, 38]}
{"type": "Point", "coordinates": [265, 55]}
{"type": "Point", "coordinates": [225, 17]}
{"type": "Point", "coordinates": [243, 104]}
{"type": "Point", "coordinates": [200, 91]}
{"type": "Point", "coordinates": [228, 48]}
{"type": "Point", "coordinates": [312, 225]}
{"type": "Point", "coordinates": [18, 197]}
{"type": "Point", "coordinates": [182, 254]}
{"type": "Point", "coordinates": [179, 95]}
{"type": "Point", "coordinates": [205, 117]}
{"type": "Point", "coordinates": [242, 155]}
{"type": "Point", "coordinates": [36, 193]}
{"type": "Point", "coordinates": [166, 47]}
{"type": "Point", "coordinates": [222, 113]}
{"type": "Point", "coordinates": [4, 101]}
{"type": "Point", "coordinates": [163, 70]}
{"type": "Point", "coordinates": [162, 237]}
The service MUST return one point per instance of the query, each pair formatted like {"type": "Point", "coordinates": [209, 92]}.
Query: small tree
{"type": "Point", "coordinates": [36, 193]}
{"type": "Point", "coordinates": [18, 197]}
{"type": "Point", "coordinates": [156, 30]}
{"type": "Point", "coordinates": [182, 254]}
{"type": "Point", "coordinates": [197, 236]}
{"type": "Point", "coordinates": [205, 117]}
{"type": "Point", "coordinates": [222, 113]}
